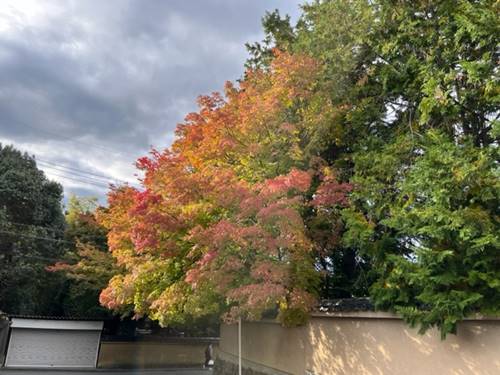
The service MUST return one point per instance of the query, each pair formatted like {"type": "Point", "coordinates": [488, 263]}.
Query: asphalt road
{"type": "Point", "coordinates": [106, 372]}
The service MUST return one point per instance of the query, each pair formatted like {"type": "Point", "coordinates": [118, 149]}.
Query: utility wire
{"type": "Point", "coordinates": [83, 174]}
{"type": "Point", "coordinates": [78, 175]}
{"type": "Point", "coordinates": [90, 180]}
{"type": "Point", "coordinates": [55, 260]}
{"type": "Point", "coordinates": [33, 226]}
{"type": "Point", "coordinates": [38, 238]}
{"type": "Point", "coordinates": [75, 170]}
{"type": "Point", "coordinates": [54, 230]}
{"type": "Point", "coordinates": [34, 237]}
{"type": "Point", "coordinates": [101, 185]}
{"type": "Point", "coordinates": [71, 169]}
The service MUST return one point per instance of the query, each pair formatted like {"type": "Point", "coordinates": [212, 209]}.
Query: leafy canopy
{"type": "Point", "coordinates": [359, 154]}
{"type": "Point", "coordinates": [31, 234]}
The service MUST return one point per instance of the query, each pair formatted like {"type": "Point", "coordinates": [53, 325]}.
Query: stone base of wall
{"type": "Point", "coordinates": [227, 364]}
{"type": "Point", "coordinates": [228, 368]}
{"type": "Point", "coordinates": [152, 354]}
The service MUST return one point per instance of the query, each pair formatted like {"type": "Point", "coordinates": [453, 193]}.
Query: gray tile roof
{"type": "Point", "coordinates": [42, 317]}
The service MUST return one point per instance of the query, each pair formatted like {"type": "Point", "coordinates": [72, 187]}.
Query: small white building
{"type": "Point", "coordinates": [46, 342]}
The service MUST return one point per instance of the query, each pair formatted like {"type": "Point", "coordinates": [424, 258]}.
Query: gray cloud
{"type": "Point", "coordinates": [93, 84]}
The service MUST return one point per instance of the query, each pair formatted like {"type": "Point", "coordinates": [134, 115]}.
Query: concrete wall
{"type": "Point", "coordinates": [361, 343]}
{"type": "Point", "coordinates": [152, 354]}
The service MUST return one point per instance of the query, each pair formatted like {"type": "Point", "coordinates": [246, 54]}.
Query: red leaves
{"type": "Point", "coordinates": [108, 299]}
{"type": "Point", "coordinates": [143, 200]}
{"type": "Point", "coordinates": [221, 210]}
{"type": "Point", "coordinates": [115, 295]}
{"type": "Point", "coordinates": [229, 236]}
{"type": "Point", "coordinates": [295, 180]}
{"type": "Point", "coordinates": [254, 298]}
{"type": "Point", "coordinates": [143, 236]}
{"type": "Point", "coordinates": [330, 193]}
{"type": "Point", "coordinates": [58, 266]}
{"type": "Point", "coordinates": [269, 272]}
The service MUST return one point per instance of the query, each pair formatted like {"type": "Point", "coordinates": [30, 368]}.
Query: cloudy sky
{"type": "Point", "coordinates": [89, 86]}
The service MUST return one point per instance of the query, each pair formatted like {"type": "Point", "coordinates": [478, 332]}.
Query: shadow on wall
{"type": "Point", "coordinates": [388, 346]}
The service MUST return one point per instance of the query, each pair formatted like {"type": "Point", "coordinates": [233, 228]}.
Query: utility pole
{"type": "Point", "coordinates": [239, 346]}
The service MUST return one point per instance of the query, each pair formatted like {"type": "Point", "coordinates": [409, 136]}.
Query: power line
{"type": "Point", "coordinates": [78, 171]}
{"type": "Point", "coordinates": [38, 257]}
{"type": "Point", "coordinates": [37, 238]}
{"type": "Point", "coordinates": [90, 180]}
{"type": "Point", "coordinates": [76, 174]}
{"type": "Point", "coordinates": [34, 237]}
{"type": "Point", "coordinates": [74, 170]}
{"type": "Point", "coordinates": [101, 185]}
{"type": "Point", "coordinates": [80, 175]}
{"type": "Point", "coordinates": [51, 229]}
{"type": "Point", "coordinates": [34, 226]}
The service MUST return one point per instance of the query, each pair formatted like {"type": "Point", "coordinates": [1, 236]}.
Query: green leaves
{"type": "Point", "coordinates": [443, 215]}
{"type": "Point", "coordinates": [424, 160]}
{"type": "Point", "coordinates": [31, 231]}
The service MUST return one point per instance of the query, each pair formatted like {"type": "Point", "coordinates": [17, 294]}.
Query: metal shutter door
{"type": "Point", "coordinates": [52, 348]}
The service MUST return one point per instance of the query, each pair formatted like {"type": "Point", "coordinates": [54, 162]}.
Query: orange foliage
{"type": "Point", "coordinates": [218, 227]}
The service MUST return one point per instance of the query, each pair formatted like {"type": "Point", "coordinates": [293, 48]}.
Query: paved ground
{"type": "Point", "coordinates": [106, 372]}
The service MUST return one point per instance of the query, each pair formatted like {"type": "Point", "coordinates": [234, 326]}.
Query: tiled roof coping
{"type": "Point", "coordinates": [44, 317]}
{"type": "Point", "coordinates": [345, 305]}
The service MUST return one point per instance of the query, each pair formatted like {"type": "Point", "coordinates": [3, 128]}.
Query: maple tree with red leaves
{"type": "Point", "coordinates": [219, 227]}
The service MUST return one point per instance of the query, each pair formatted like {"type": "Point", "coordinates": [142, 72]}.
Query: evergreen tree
{"type": "Point", "coordinates": [31, 236]}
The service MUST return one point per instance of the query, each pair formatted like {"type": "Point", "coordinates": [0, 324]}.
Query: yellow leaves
{"type": "Point", "coordinates": [440, 96]}
{"type": "Point", "coordinates": [296, 152]}
{"type": "Point", "coordinates": [195, 209]}
{"type": "Point", "coordinates": [228, 190]}
{"type": "Point", "coordinates": [363, 80]}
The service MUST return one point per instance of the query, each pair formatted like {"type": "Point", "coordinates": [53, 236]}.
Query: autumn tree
{"type": "Point", "coordinates": [220, 225]}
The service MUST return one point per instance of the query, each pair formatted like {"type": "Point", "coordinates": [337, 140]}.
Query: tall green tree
{"type": "Point", "coordinates": [31, 235]}
{"type": "Point", "coordinates": [425, 160]}
{"type": "Point", "coordinates": [415, 86]}
{"type": "Point", "coordinates": [279, 34]}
